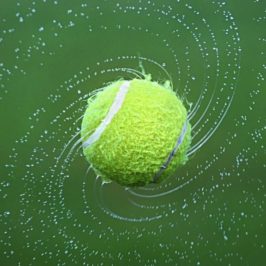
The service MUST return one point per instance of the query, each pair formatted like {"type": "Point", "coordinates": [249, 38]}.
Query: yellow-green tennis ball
{"type": "Point", "coordinates": [135, 132]}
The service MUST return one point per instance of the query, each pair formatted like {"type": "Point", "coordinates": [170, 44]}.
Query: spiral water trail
{"type": "Point", "coordinates": [54, 56]}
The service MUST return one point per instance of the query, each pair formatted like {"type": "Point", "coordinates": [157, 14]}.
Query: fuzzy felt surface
{"type": "Point", "coordinates": [141, 135]}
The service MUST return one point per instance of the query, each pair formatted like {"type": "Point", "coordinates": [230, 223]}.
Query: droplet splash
{"type": "Point", "coordinates": [54, 210]}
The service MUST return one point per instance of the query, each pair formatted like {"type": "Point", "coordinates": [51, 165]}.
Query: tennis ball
{"type": "Point", "coordinates": [135, 132]}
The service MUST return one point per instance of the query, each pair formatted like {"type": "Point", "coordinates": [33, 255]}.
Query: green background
{"type": "Point", "coordinates": [53, 209]}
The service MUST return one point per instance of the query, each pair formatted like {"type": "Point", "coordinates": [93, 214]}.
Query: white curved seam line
{"type": "Point", "coordinates": [115, 107]}
{"type": "Point", "coordinates": [173, 152]}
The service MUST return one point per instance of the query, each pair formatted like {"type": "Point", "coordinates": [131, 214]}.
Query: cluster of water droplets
{"type": "Point", "coordinates": [54, 207]}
